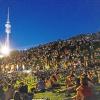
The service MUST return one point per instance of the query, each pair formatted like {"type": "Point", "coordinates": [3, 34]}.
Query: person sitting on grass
{"type": "Point", "coordinates": [70, 86]}
{"type": "Point", "coordinates": [41, 85]}
{"type": "Point", "coordinates": [48, 83]}
{"type": "Point", "coordinates": [31, 94]}
{"type": "Point", "coordinates": [1, 92]}
{"type": "Point", "coordinates": [23, 90]}
{"type": "Point", "coordinates": [83, 92]}
{"type": "Point", "coordinates": [17, 95]}
{"type": "Point", "coordinates": [54, 80]}
{"type": "Point", "coordinates": [9, 93]}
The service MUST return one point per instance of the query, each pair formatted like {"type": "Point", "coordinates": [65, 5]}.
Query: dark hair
{"type": "Point", "coordinates": [84, 81]}
{"type": "Point", "coordinates": [9, 86]}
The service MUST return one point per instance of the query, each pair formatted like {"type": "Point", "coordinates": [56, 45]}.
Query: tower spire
{"type": "Point", "coordinates": [8, 21]}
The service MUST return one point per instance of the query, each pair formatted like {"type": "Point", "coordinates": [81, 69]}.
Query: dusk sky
{"type": "Point", "coordinates": [37, 22]}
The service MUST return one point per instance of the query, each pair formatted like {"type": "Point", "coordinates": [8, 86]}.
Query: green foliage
{"type": "Point", "coordinates": [29, 80]}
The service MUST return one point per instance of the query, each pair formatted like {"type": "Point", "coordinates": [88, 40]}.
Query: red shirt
{"type": "Point", "coordinates": [85, 90]}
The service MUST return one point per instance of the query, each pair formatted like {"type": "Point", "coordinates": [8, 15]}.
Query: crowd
{"type": "Point", "coordinates": [55, 54]}
{"type": "Point", "coordinates": [71, 63]}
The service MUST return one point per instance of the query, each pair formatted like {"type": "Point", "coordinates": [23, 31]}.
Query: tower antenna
{"type": "Point", "coordinates": [8, 21]}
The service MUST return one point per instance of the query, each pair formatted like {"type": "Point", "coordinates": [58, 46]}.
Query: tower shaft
{"type": "Point", "coordinates": [8, 30]}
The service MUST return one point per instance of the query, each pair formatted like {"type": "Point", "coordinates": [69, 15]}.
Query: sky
{"type": "Point", "coordinates": [37, 22]}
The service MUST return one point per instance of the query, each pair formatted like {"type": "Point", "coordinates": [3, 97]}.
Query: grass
{"type": "Point", "coordinates": [50, 95]}
{"type": "Point", "coordinates": [56, 94]}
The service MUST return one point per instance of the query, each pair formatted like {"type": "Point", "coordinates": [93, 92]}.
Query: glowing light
{"type": "Point", "coordinates": [1, 56]}
{"type": "Point", "coordinates": [17, 67]}
{"type": "Point", "coordinates": [5, 50]}
{"type": "Point", "coordinates": [23, 67]}
{"type": "Point", "coordinates": [27, 71]}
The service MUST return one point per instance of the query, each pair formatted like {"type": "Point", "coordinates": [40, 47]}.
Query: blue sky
{"type": "Point", "coordinates": [37, 22]}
